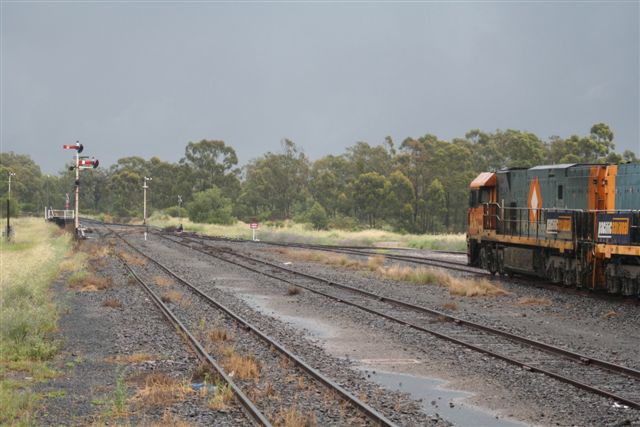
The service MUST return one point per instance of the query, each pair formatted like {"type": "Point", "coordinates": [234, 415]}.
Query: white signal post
{"type": "Point", "coordinates": [144, 204]}
{"type": "Point", "coordinates": [85, 163]}
{"type": "Point", "coordinates": [254, 227]}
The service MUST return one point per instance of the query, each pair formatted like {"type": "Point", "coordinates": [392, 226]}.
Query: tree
{"type": "Point", "coordinates": [276, 182]}
{"type": "Point", "coordinates": [370, 190]}
{"type": "Point", "coordinates": [317, 215]}
{"type": "Point", "coordinates": [210, 207]}
{"type": "Point", "coordinates": [213, 163]}
{"type": "Point", "coordinates": [436, 205]}
{"type": "Point", "coordinates": [400, 201]}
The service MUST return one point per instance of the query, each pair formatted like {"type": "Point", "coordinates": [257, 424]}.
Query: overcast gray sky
{"type": "Point", "coordinates": [145, 78]}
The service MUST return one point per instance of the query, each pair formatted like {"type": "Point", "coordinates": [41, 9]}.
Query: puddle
{"type": "Point", "coordinates": [429, 390]}
{"type": "Point", "coordinates": [314, 327]}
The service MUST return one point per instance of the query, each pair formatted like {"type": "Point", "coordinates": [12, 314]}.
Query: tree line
{"type": "Point", "coordinates": [419, 185]}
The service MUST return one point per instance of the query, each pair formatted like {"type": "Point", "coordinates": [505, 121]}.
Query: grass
{"type": "Point", "coordinates": [88, 282]}
{"type": "Point", "coordinates": [293, 290]}
{"type": "Point", "coordinates": [303, 233]}
{"type": "Point", "coordinates": [416, 275]}
{"type": "Point", "coordinates": [221, 397]}
{"type": "Point", "coordinates": [171, 296]}
{"type": "Point", "coordinates": [218, 335]}
{"type": "Point", "coordinates": [243, 367]}
{"type": "Point", "coordinates": [293, 417]}
{"type": "Point", "coordinates": [162, 390]}
{"type": "Point", "coordinates": [450, 306]}
{"type": "Point", "coordinates": [28, 314]}
{"type": "Point", "coordinates": [533, 301]}
{"type": "Point", "coordinates": [162, 281]}
{"type": "Point", "coordinates": [120, 393]}
{"type": "Point", "coordinates": [133, 358]}
{"type": "Point", "coordinates": [112, 303]}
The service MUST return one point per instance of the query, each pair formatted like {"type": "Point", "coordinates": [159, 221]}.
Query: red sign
{"type": "Point", "coordinates": [254, 225]}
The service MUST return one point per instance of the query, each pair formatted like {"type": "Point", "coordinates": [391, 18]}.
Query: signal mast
{"type": "Point", "coordinates": [81, 163]}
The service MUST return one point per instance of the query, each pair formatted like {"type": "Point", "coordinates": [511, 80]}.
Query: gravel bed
{"type": "Point", "coordinates": [212, 277]}
{"type": "Point", "coordinates": [530, 396]}
{"type": "Point", "coordinates": [96, 342]}
{"type": "Point", "coordinates": [600, 328]}
{"type": "Point", "coordinates": [279, 385]}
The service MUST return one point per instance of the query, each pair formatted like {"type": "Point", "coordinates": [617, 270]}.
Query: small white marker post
{"type": "Point", "coordinates": [254, 227]}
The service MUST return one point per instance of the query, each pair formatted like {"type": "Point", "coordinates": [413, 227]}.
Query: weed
{"type": "Point", "coordinates": [203, 373]}
{"type": "Point", "coordinates": [162, 281]}
{"type": "Point", "coordinates": [112, 302]}
{"type": "Point", "coordinates": [450, 306]}
{"type": "Point", "coordinates": [475, 287]}
{"type": "Point", "coordinates": [293, 417]}
{"type": "Point", "coordinates": [120, 393]}
{"type": "Point", "coordinates": [132, 358]}
{"type": "Point", "coordinates": [161, 390]}
{"type": "Point", "coordinates": [55, 394]}
{"type": "Point", "coordinates": [219, 335]}
{"type": "Point", "coordinates": [293, 290]}
{"type": "Point", "coordinates": [171, 296]}
{"type": "Point", "coordinates": [133, 259]}
{"type": "Point", "coordinates": [610, 314]}
{"type": "Point", "coordinates": [374, 263]}
{"type": "Point", "coordinates": [533, 301]}
{"type": "Point", "coordinates": [221, 397]}
{"type": "Point", "coordinates": [245, 367]}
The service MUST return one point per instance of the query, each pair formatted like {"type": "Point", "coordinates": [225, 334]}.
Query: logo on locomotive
{"type": "Point", "coordinates": [614, 227]}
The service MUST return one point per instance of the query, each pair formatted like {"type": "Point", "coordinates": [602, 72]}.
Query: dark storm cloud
{"type": "Point", "coordinates": [146, 78]}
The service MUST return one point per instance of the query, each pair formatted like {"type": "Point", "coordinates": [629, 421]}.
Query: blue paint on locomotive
{"type": "Point", "coordinates": [628, 187]}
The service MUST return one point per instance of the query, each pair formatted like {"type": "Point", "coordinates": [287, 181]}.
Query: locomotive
{"type": "Point", "coordinates": [575, 224]}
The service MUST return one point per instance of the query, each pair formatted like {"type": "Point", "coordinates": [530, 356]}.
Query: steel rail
{"type": "Point", "coordinates": [376, 417]}
{"type": "Point", "coordinates": [250, 409]}
{"type": "Point", "coordinates": [584, 360]}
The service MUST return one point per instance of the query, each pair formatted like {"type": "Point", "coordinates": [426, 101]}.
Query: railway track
{"type": "Point", "coordinates": [613, 381]}
{"type": "Point", "coordinates": [369, 415]}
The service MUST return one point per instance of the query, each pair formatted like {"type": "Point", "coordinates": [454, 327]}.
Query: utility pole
{"type": "Point", "coordinates": [180, 210]}
{"type": "Point", "coordinates": [144, 208]}
{"type": "Point", "coordinates": [8, 232]}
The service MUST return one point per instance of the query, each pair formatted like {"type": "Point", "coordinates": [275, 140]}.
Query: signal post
{"type": "Point", "coordinates": [80, 163]}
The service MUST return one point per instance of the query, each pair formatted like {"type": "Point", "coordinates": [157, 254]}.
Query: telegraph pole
{"type": "Point", "coordinates": [144, 205]}
{"type": "Point", "coordinates": [180, 210]}
{"type": "Point", "coordinates": [9, 208]}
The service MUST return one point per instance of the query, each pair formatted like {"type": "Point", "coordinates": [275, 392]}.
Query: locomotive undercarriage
{"type": "Point", "coordinates": [571, 268]}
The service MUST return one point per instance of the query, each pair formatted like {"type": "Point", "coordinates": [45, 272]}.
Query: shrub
{"type": "Point", "coordinates": [176, 212]}
{"type": "Point", "coordinates": [210, 207]}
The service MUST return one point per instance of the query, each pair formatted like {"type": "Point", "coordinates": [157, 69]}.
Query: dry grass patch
{"type": "Point", "coordinates": [293, 417]}
{"type": "Point", "coordinates": [374, 263]}
{"type": "Point", "coordinates": [133, 358]}
{"type": "Point", "coordinates": [172, 296]}
{"type": "Point", "coordinates": [474, 287]}
{"type": "Point", "coordinates": [96, 252]}
{"type": "Point", "coordinates": [450, 306]}
{"type": "Point", "coordinates": [133, 259]}
{"type": "Point", "coordinates": [419, 275]}
{"type": "Point", "coordinates": [162, 390]}
{"type": "Point", "coordinates": [88, 282]}
{"type": "Point", "coordinates": [533, 301]}
{"type": "Point", "coordinates": [112, 303]}
{"type": "Point", "coordinates": [244, 367]}
{"type": "Point", "coordinates": [162, 281]}
{"type": "Point", "coordinates": [218, 335]}
{"type": "Point", "coordinates": [293, 290]}
{"type": "Point", "coordinates": [170, 420]}
{"type": "Point", "coordinates": [610, 314]}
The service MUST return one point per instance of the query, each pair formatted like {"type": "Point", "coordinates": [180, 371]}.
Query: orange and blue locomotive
{"type": "Point", "coordinates": [571, 223]}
